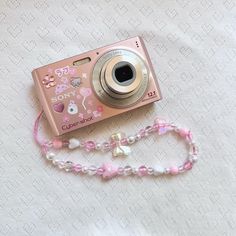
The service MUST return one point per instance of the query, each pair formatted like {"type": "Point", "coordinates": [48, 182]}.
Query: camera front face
{"type": "Point", "coordinates": [120, 78]}
{"type": "Point", "coordinates": [96, 85]}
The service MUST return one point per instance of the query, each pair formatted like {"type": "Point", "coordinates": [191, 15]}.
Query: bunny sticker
{"type": "Point", "coordinates": [72, 108]}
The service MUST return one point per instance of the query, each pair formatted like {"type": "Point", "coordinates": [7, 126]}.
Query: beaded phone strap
{"type": "Point", "coordinates": [118, 144]}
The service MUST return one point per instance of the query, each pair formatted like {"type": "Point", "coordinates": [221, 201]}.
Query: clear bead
{"type": "Point", "coordinates": [61, 164]}
{"type": "Point", "coordinates": [127, 170]}
{"type": "Point", "coordinates": [135, 171]}
{"type": "Point", "coordinates": [92, 170]}
{"type": "Point", "coordinates": [148, 129]}
{"type": "Point", "coordinates": [105, 147]}
{"type": "Point", "coordinates": [82, 144]}
{"type": "Point", "coordinates": [142, 133]}
{"type": "Point", "coordinates": [158, 170]}
{"type": "Point", "coordinates": [68, 166]}
{"type": "Point", "coordinates": [120, 171]}
{"type": "Point", "coordinates": [150, 171]}
{"type": "Point", "coordinates": [194, 158]}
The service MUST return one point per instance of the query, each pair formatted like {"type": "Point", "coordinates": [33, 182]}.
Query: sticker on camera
{"type": "Point", "coordinates": [65, 71]}
{"type": "Point", "coordinates": [85, 92]}
{"type": "Point", "coordinates": [72, 108]}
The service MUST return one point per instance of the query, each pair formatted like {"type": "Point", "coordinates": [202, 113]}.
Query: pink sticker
{"type": "Point", "coordinates": [59, 107]}
{"type": "Point", "coordinates": [81, 115]}
{"type": "Point", "coordinates": [72, 71]}
{"type": "Point", "coordinates": [61, 88]}
{"type": "Point", "coordinates": [66, 119]}
{"type": "Point", "coordinates": [62, 71]}
{"type": "Point", "coordinates": [97, 114]}
{"type": "Point", "coordinates": [90, 102]}
{"type": "Point", "coordinates": [64, 80]}
{"type": "Point", "coordinates": [99, 108]}
{"type": "Point", "coordinates": [85, 92]}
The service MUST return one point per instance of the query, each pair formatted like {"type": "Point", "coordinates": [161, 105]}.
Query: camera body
{"type": "Point", "coordinates": [96, 85]}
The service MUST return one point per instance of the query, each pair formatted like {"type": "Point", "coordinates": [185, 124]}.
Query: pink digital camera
{"type": "Point", "coordinates": [96, 85]}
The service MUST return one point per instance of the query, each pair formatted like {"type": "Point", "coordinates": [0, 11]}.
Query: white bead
{"type": "Point", "coordinates": [131, 139]}
{"type": "Point", "coordinates": [167, 171]}
{"type": "Point", "coordinates": [135, 171]}
{"type": "Point", "coordinates": [50, 156]}
{"type": "Point", "coordinates": [158, 170]}
{"type": "Point", "coordinates": [181, 168]}
{"type": "Point", "coordinates": [194, 158]}
{"type": "Point", "coordinates": [55, 162]}
{"type": "Point", "coordinates": [84, 169]}
{"type": "Point", "coordinates": [98, 146]}
{"type": "Point", "coordinates": [73, 143]}
{"type": "Point", "coordinates": [137, 137]}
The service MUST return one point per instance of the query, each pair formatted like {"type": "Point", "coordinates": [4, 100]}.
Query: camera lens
{"type": "Point", "coordinates": [120, 78]}
{"type": "Point", "coordinates": [124, 73]}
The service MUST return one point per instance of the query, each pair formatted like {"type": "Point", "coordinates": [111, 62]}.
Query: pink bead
{"type": "Point", "coordinates": [77, 167]}
{"type": "Point", "coordinates": [100, 171]}
{"type": "Point", "coordinates": [162, 130]}
{"type": "Point", "coordinates": [185, 133]}
{"type": "Point", "coordinates": [124, 141]}
{"type": "Point", "coordinates": [113, 144]}
{"type": "Point", "coordinates": [155, 127]}
{"type": "Point", "coordinates": [110, 171]}
{"type": "Point", "coordinates": [160, 122]}
{"type": "Point", "coordinates": [174, 170]}
{"type": "Point", "coordinates": [57, 143]}
{"type": "Point", "coordinates": [89, 146]}
{"type": "Point", "coordinates": [142, 171]}
{"type": "Point", "coordinates": [188, 165]}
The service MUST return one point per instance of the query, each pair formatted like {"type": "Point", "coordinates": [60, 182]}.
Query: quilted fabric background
{"type": "Point", "coordinates": [192, 45]}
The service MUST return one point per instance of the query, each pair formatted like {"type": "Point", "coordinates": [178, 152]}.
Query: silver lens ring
{"type": "Point", "coordinates": [109, 97]}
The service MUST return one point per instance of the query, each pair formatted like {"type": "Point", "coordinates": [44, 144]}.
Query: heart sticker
{"type": "Point", "coordinates": [59, 107]}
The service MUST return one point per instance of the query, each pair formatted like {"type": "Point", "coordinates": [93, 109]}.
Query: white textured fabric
{"type": "Point", "coordinates": [193, 48]}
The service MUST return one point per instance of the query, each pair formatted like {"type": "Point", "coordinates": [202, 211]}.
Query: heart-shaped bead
{"type": "Point", "coordinates": [59, 107]}
{"type": "Point", "coordinates": [73, 143]}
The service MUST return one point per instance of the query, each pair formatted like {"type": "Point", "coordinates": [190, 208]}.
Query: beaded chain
{"type": "Point", "coordinates": [119, 145]}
